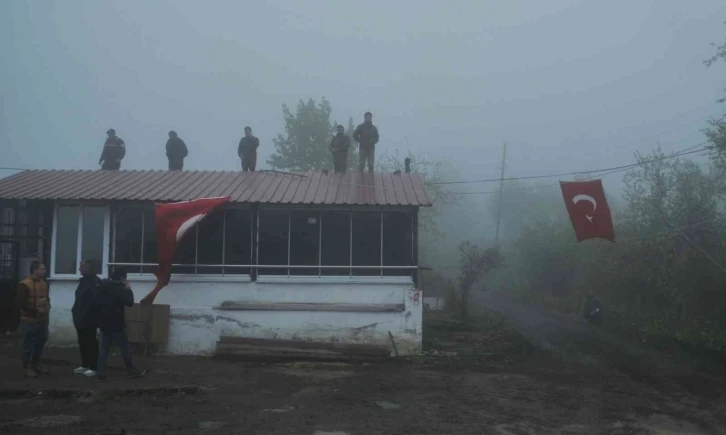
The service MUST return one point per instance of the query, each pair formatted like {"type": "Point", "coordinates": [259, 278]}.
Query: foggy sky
{"type": "Point", "coordinates": [568, 84]}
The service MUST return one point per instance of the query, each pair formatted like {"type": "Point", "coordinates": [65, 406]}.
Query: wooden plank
{"type": "Point", "coordinates": [296, 306]}
{"type": "Point", "coordinates": [253, 352]}
{"type": "Point", "coordinates": [159, 323]}
{"type": "Point", "coordinates": [148, 324]}
{"type": "Point", "coordinates": [352, 348]}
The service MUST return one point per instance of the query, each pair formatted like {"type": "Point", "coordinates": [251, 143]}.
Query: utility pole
{"type": "Point", "coordinates": [501, 192]}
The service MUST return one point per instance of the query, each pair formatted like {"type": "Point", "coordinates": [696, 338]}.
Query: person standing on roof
{"type": "Point", "coordinates": [366, 135]}
{"type": "Point", "coordinates": [247, 150]}
{"type": "Point", "coordinates": [33, 299]}
{"type": "Point", "coordinates": [114, 150]}
{"type": "Point", "coordinates": [339, 147]}
{"type": "Point", "coordinates": [176, 151]}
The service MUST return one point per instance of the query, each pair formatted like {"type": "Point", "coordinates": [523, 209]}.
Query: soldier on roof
{"type": "Point", "coordinates": [339, 147]}
{"type": "Point", "coordinates": [114, 150]}
{"type": "Point", "coordinates": [366, 135]}
{"type": "Point", "coordinates": [176, 151]}
{"type": "Point", "coordinates": [247, 150]}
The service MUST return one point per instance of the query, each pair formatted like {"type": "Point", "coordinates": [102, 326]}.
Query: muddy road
{"type": "Point", "coordinates": [476, 379]}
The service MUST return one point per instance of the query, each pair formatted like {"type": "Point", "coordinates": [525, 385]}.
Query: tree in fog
{"type": "Point", "coordinates": [304, 145]}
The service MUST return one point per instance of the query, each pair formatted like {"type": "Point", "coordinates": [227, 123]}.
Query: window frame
{"type": "Point", "coordinates": [138, 272]}
{"type": "Point", "coordinates": [350, 277]}
{"type": "Point", "coordinates": [103, 268]}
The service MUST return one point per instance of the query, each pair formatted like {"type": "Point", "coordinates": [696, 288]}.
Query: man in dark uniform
{"type": "Point", "coordinates": [114, 150]}
{"type": "Point", "coordinates": [247, 150]}
{"type": "Point", "coordinates": [176, 151]}
{"type": "Point", "coordinates": [339, 147]}
{"type": "Point", "coordinates": [366, 135]}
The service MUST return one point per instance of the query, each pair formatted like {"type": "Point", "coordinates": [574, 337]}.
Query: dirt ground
{"type": "Point", "coordinates": [484, 378]}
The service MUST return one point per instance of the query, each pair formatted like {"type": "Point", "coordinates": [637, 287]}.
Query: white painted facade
{"type": "Point", "coordinates": [197, 323]}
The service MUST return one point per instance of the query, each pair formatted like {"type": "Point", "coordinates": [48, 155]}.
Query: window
{"type": "Point", "coordinates": [128, 236]}
{"type": "Point", "coordinates": [397, 243]}
{"type": "Point", "coordinates": [304, 242]}
{"type": "Point", "coordinates": [366, 242]}
{"type": "Point", "coordinates": [79, 234]}
{"type": "Point", "coordinates": [335, 242]}
{"type": "Point", "coordinates": [273, 241]}
{"type": "Point", "coordinates": [213, 247]}
{"type": "Point", "coordinates": [237, 241]}
{"type": "Point", "coordinates": [328, 243]}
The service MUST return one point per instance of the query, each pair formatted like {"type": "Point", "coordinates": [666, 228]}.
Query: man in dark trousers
{"type": "Point", "coordinates": [176, 151]}
{"type": "Point", "coordinates": [366, 135]}
{"type": "Point", "coordinates": [85, 319]}
{"type": "Point", "coordinates": [114, 150]}
{"type": "Point", "coordinates": [339, 147]}
{"type": "Point", "coordinates": [113, 298]}
{"type": "Point", "coordinates": [33, 299]}
{"type": "Point", "coordinates": [247, 150]}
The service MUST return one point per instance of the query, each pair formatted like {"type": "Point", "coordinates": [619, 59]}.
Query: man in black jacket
{"type": "Point", "coordinates": [247, 150]}
{"type": "Point", "coordinates": [366, 135]}
{"type": "Point", "coordinates": [114, 296]}
{"type": "Point", "coordinates": [114, 150]}
{"type": "Point", "coordinates": [339, 147]}
{"type": "Point", "coordinates": [85, 319]}
{"type": "Point", "coordinates": [176, 151]}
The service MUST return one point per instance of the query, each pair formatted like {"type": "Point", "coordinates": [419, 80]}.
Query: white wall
{"type": "Point", "coordinates": [195, 324]}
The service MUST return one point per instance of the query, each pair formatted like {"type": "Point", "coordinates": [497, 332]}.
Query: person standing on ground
{"type": "Point", "coordinates": [247, 150]}
{"type": "Point", "coordinates": [114, 150]}
{"type": "Point", "coordinates": [339, 147]}
{"type": "Point", "coordinates": [176, 151]}
{"type": "Point", "coordinates": [366, 135]}
{"type": "Point", "coordinates": [33, 299]}
{"type": "Point", "coordinates": [114, 296]}
{"type": "Point", "coordinates": [85, 319]}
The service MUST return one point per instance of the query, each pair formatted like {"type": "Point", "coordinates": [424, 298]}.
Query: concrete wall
{"type": "Point", "coordinates": [197, 321]}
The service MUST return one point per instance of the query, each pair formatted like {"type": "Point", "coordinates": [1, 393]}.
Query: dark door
{"type": "Point", "coordinates": [9, 316]}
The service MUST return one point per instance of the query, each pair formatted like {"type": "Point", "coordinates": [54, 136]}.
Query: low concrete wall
{"type": "Point", "coordinates": [273, 308]}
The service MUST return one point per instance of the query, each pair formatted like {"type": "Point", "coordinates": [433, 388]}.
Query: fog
{"type": "Point", "coordinates": [569, 85]}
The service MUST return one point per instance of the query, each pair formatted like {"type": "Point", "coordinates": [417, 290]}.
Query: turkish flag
{"type": "Point", "coordinates": [588, 209]}
{"type": "Point", "coordinates": [173, 221]}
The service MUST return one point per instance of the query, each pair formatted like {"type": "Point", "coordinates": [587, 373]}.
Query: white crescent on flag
{"type": "Point", "coordinates": [188, 224]}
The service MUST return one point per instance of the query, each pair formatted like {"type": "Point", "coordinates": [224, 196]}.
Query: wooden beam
{"type": "Point", "coordinates": [321, 306]}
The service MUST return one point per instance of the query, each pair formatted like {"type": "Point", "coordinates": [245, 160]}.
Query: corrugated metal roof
{"type": "Point", "coordinates": [267, 187]}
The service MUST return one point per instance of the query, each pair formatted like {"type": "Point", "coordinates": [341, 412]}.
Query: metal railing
{"type": "Point", "coordinates": [270, 266]}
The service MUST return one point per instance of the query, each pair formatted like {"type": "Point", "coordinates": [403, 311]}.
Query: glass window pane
{"type": "Point", "coordinates": [335, 242]}
{"type": "Point", "coordinates": [127, 242]}
{"type": "Point", "coordinates": [397, 243]}
{"type": "Point", "coordinates": [367, 242]}
{"type": "Point", "coordinates": [66, 242]}
{"type": "Point", "coordinates": [304, 241]}
{"type": "Point", "coordinates": [238, 240]}
{"type": "Point", "coordinates": [149, 240]}
{"type": "Point", "coordinates": [272, 243]}
{"type": "Point", "coordinates": [209, 246]}
{"type": "Point", "coordinates": [92, 236]}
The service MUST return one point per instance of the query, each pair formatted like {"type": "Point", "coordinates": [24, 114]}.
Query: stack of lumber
{"type": "Point", "coordinates": [264, 349]}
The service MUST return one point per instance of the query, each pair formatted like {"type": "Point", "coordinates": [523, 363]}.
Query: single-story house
{"type": "Point", "coordinates": [315, 256]}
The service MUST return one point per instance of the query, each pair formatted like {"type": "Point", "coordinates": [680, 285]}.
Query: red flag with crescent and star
{"type": "Point", "coordinates": [588, 209]}
{"type": "Point", "coordinates": [173, 221]}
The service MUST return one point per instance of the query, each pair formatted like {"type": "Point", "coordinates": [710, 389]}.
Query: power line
{"type": "Point", "coordinates": [565, 174]}
{"type": "Point", "coordinates": [610, 171]}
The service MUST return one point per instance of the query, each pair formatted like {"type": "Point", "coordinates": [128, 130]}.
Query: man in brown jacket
{"type": "Point", "coordinates": [33, 299]}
